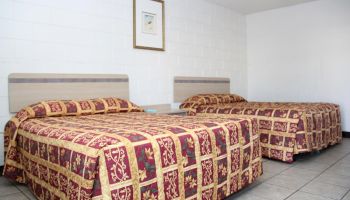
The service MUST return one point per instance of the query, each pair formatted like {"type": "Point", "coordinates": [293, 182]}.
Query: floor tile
{"type": "Point", "coordinates": [26, 191]}
{"type": "Point", "coordinates": [341, 148]}
{"type": "Point", "coordinates": [330, 157]}
{"type": "Point", "coordinates": [245, 196]}
{"type": "Point", "coordinates": [325, 190]}
{"type": "Point", "coordinates": [306, 196]}
{"type": "Point", "coordinates": [275, 166]}
{"type": "Point", "coordinates": [266, 175]}
{"type": "Point", "coordinates": [344, 163]}
{"type": "Point", "coordinates": [340, 169]}
{"type": "Point", "coordinates": [301, 173]}
{"type": "Point", "coordinates": [334, 179]}
{"type": "Point", "coordinates": [271, 192]}
{"type": "Point", "coordinates": [347, 196]}
{"type": "Point", "coordinates": [16, 196]}
{"type": "Point", "coordinates": [326, 156]}
{"type": "Point", "coordinates": [344, 148]}
{"type": "Point", "coordinates": [312, 165]}
{"type": "Point", "coordinates": [289, 182]}
{"type": "Point", "coordinates": [7, 188]}
{"type": "Point", "coordinates": [30, 196]}
{"type": "Point", "coordinates": [346, 159]}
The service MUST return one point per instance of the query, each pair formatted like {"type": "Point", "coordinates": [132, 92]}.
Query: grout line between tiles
{"type": "Point", "coordinates": [23, 192]}
{"type": "Point", "coordinates": [342, 198]}
{"type": "Point", "coordinates": [335, 184]}
{"type": "Point", "coordinates": [317, 177]}
{"type": "Point", "coordinates": [14, 184]}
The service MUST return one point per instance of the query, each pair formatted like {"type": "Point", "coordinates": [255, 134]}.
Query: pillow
{"type": "Point", "coordinates": [192, 103]}
{"type": "Point", "coordinates": [81, 107]}
{"type": "Point", "coordinates": [66, 108]}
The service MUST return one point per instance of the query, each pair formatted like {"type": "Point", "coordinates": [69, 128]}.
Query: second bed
{"type": "Point", "coordinates": [285, 129]}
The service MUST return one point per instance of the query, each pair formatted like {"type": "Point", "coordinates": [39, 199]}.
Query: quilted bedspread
{"type": "Point", "coordinates": [286, 129]}
{"type": "Point", "coordinates": [134, 155]}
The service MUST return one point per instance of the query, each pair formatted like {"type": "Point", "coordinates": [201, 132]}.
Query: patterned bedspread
{"type": "Point", "coordinates": [286, 129]}
{"type": "Point", "coordinates": [130, 155]}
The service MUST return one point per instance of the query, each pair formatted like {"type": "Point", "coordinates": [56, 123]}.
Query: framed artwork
{"type": "Point", "coordinates": [149, 25]}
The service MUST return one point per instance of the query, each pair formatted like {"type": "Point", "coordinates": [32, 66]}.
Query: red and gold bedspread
{"type": "Point", "coordinates": [286, 129]}
{"type": "Point", "coordinates": [131, 155]}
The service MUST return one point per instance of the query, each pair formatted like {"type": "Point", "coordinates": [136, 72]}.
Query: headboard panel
{"type": "Point", "coordinates": [185, 87]}
{"type": "Point", "coordinates": [26, 89]}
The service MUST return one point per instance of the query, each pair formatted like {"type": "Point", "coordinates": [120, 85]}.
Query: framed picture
{"type": "Point", "coordinates": [149, 25]}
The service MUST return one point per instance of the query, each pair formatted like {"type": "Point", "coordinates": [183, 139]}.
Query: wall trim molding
{"type": "Point", "coordinates": [346, 134]}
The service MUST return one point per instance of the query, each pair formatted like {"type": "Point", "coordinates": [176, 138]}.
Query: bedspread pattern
{"type": "Point", "coordinates": [130, 155]}
{"type": "Point", "coordinates": [285, 129]}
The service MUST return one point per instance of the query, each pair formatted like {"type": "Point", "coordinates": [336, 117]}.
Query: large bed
{"type": "Point", "coordinates": [107, 148]}
{"type": "Point", "coordinates": [285, 129]}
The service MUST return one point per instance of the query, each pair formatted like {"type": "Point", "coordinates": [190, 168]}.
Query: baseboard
{"type": "Point", "coordinates": [346, 134]}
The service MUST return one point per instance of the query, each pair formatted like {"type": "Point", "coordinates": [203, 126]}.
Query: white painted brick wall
{"type": "Point", "coordinates": [95, 36]}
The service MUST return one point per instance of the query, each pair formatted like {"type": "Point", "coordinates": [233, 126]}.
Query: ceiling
{"type": "Point", "coordinates": [252, 6]}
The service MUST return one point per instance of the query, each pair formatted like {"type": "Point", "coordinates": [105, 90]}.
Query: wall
{"type": "Point", "coordinates": [95, 36]}
{"type": "Point", "coordinates": [301, 53]}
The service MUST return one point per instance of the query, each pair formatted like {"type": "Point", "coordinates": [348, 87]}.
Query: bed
{"type": "Point", "coordinates": [107, 148]}
{"type": "Point", "coordinates": [285, 129]}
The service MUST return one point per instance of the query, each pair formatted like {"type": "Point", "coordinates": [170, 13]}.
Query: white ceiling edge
{"type": "Point", "coordinates": [253, 6]}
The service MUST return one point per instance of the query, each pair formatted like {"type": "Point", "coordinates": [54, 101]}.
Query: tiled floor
{"type": "Point", "coordinates": [316, 176]}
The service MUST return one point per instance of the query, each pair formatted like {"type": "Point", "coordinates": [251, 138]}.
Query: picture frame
{"type": "Point", "coordinates": [149, 25]}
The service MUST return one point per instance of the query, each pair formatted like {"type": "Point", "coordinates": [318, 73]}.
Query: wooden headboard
{"type": "Point", "coordinates": [26, 89]}
{"type": "Point", "coordinates": [185, 87]}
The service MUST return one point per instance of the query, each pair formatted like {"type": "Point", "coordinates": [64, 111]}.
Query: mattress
{"type": "Point", "coordinates": [87, 154]}
{"type": "Point", "coordinates": [286, 129]}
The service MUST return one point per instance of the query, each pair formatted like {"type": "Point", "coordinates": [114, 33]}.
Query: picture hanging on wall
{"type": "Point", "coordinates": [149, 25]}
